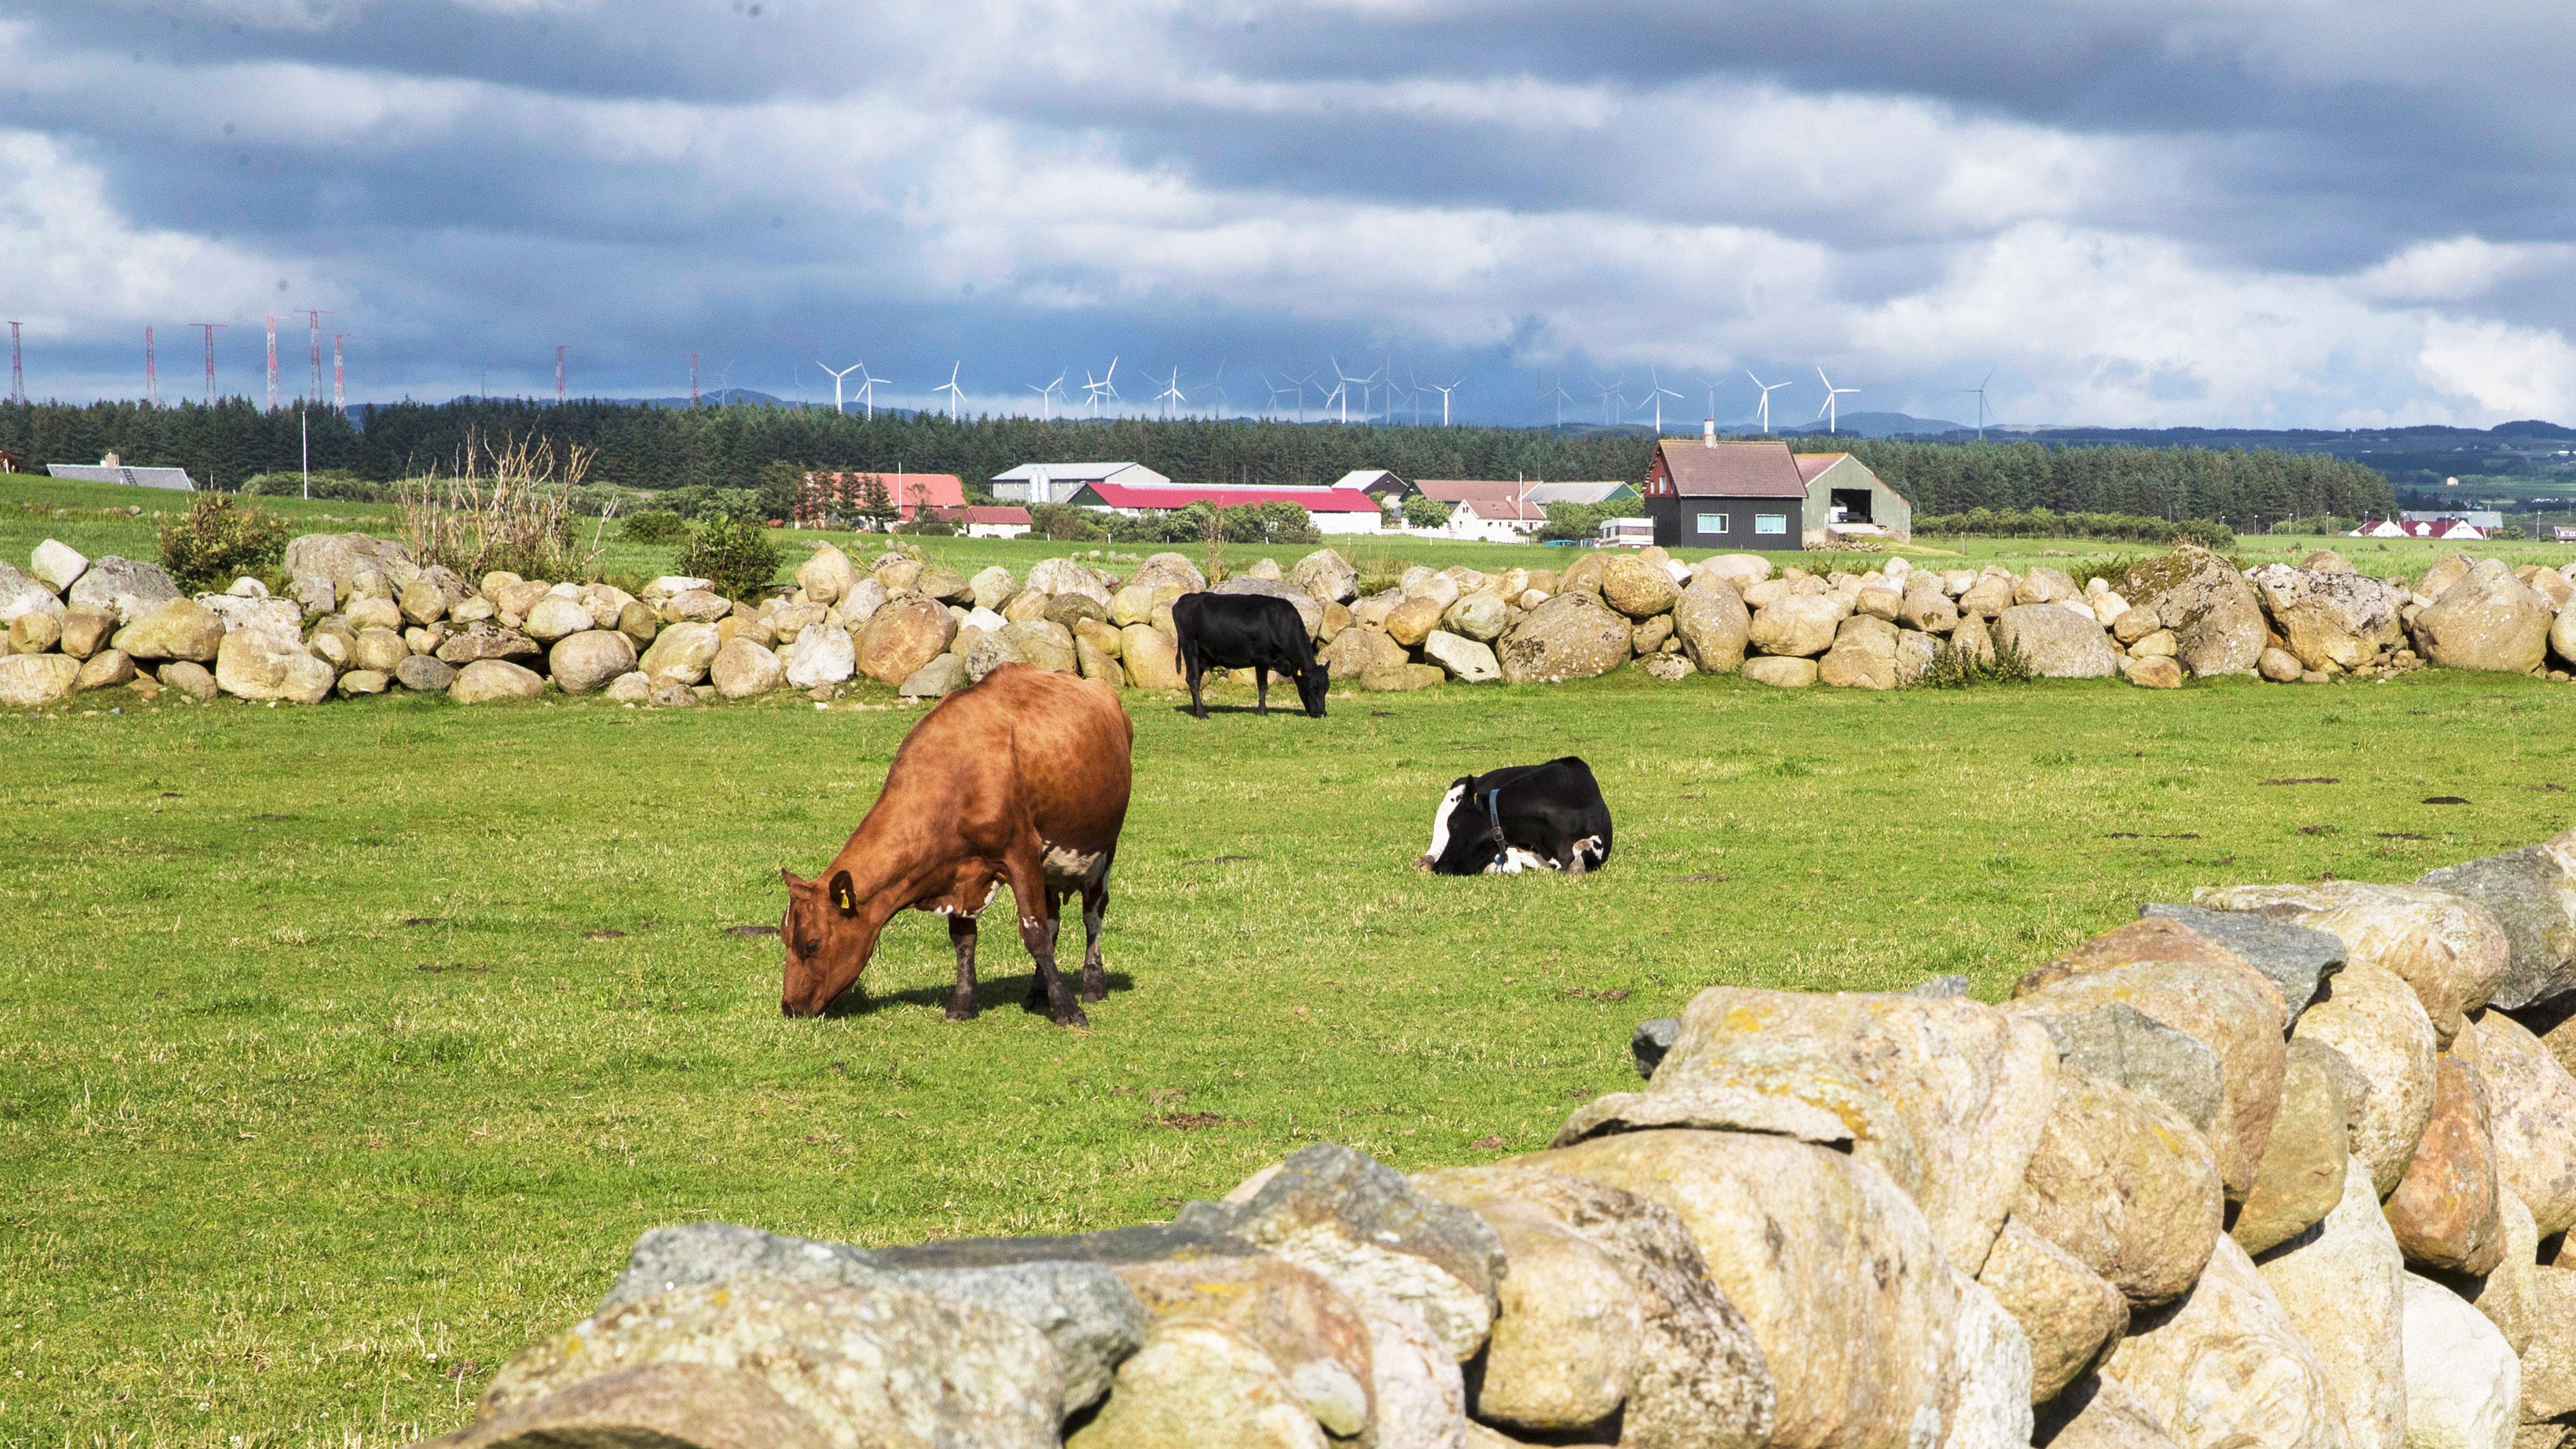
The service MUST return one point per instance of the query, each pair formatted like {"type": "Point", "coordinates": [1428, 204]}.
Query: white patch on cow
{"type": "Point", "coordinates": [1514, 860]}
{"type": "Point", "coordinates": [1589, 848]}
{"type": "Point", "coordinates": [1440, 822]}
{"type": "Point", "coordinates": [1061, 863]}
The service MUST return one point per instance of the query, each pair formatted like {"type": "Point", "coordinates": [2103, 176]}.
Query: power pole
{"type": "Point", "coordinates": [559, 396]}
{"type": "Point", "coordinates": [210, 359]}
{"type": "Point", "coordinates": [313, 321]}
{"type": "Point", "coordinates": [339, 376]}
{"type": "Point", "coordinates": [151, 372]}
{"type": "Point", "coordinates": [272, 362]}
{"type": "Point", "coordinates": [693, 374]}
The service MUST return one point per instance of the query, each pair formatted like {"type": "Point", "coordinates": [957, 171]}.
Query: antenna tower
{"type": "Point", "coordinates": [151, 371]}
{"type": "Point", "coordinates": [559, 374]}
{"type": "Point", "coordinates": [210, 358]}
{"type": "Point", "coordinates": [693, 379]}
{"type": "Point", "coordinates": [17, 367]}
{"type": "Point", "coordinates": [339, 376]}
{"type": "Point", "coordinates": [272, 362]}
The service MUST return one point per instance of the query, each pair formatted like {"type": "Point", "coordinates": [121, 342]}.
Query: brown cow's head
{"type": "Point", "coordinates": [829, 938]}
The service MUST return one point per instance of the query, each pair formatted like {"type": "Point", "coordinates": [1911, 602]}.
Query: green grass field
{"type": "Point", "coordinates": [344, 1049]}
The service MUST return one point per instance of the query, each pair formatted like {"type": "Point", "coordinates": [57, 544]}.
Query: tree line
{"type": "Point", "coordinates": [662, 448]}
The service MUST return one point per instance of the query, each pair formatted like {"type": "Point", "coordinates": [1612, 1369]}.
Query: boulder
{"type": "Point", "coordinates": [29, 681]}
{"type": "Point", "coordinates": [425, 603]}
{"type": "Point", "coordinates": [1355, 651]}
{"type": "Point", "coordinates": [827, 575]}
{"type": "Point", "coordinates": [2463, 1383]}
{"type": "Point", "coordinates": [941, 676]}
{"type": "Point", "coordinates": [2531, 892]}
{"type": "Point", "coordinates": [423, 674]}
{"type": "Point", "coordinates": [638, 622]}
{"type": "Point", "coordinates": [2124, 1184]}
{"type": "Point", "coordinates": [2295, 959]}
{"type": "Point", "coordinates": [1418, 1394]}
{"type": "Point", "coordinates": [381, 650]}
{"type": "Point", "coordinates": [2154, 672]}
{"type": "Point", "coordinates": [696, 607]}
{"type": "Point", "coordinates": [1152, 660]}
{"type": "Point", "coordinates": [907, 634]}
{"type": "Point", "coordinates": [34, 632]}
{"type": "Point", "coordinates": [1862, 1323]}
{"type": "Point", "coordinates": [2488, 619]}
{"type": "Point", "coordinates": [1326, 576]}
{"type": "Point", "coordinates": [554, 617]}
{"type": "Point", "coordinates": [1863, 656]}
{"type": "Point", "coordinates": [193, 680]}
{"type": "Point", "coordinates": [104, 670]}
{"type": "Point", "coordinates": [869, 1362]}
{"type": "Point", "coordinates": [2068, 1312]}
{"type": "Point", "coordinates": [1310, 1332]}
{"type": "Point", "coordinates": [1878, 603]}
{"type": "Point", "coordinates": [2099, 1412]}
{"type": "Point", "coordinates": [2330, 618]}
{"type": "Point", "coordinates": [486, 680]}
{"type": "Point", "coordinates": [1413, 621]}
{"type": "Point", "coordinates": [2445, 1211]}
{"type": "Point", "coordinates": [365, 681]}
{"type": "Point", "coordinates": [822, 655]}
{"type": "Point", "coordinates": [2225, 1366]}
{"type": "Point", "coordinates": [2302, 1174]}
{"type": "Point", "coordinates": [1571, 636]}
{"type": "Point", "coordinates": [1481, 617]}
{"type": "Point", "coordinates": [1714, 628]}
{"type": "Point", "coordinates": [939, 581]}
{"type": "Point", "coordinates": [2372, 1018]}
{"type": "Point", "coordinates": [21, 595]}
{"type": "Point", "coordinates": [238, 612]}
{"type": "Point", "coordinates": [1466, 660]}
{"type": "Point", "coordinates": [1947, 1096]}
{"type": "Point", "coordinates": [2507, 1296]}
{"type": "Point", "coordinates": [1067, 610]}
{"type": "Point", "coordinates": [2451, 950]}
{"type": "Point", "coordinates": [1607, 1308]}
{"type": "Point", "coordinates": [992, 587]}
{"type": "Point", "coordinates": [634, 688]}
{"type": "Point", "coordinates": [2338, 1283]}
{"type": "Point", "coordinates": [681, 652]}
{"type": "Point", "coordinates": [2045, 585]}
{"type": "Point", "coordinates": [1064, 576]}
{"type": "Point", "coordinates": [1925, 608]}
{"type": "Point", "coordinates": [2197, 988]}
{"type": "Point", "coordinates": [1404, 677]}
{"type": "Point", "coordinates": [2058, 643]}
{"type": "Point", "coordinates": [1197, 1382]}
{"type": "Point", "coordinates": [2216, 616]}
{"type": "Point", "coordinates": [1169, 570]}
{"type": "Point", "coordinates": [255, 664]}
{"type": "Point", "coordinates": [83, 632]}
{"type": "Point", "coordinates": [2120, 1044]}
{"type": "Point", "coordinates": [665, 1405]}
{"type": "Point", "coordinates": [1637, 588]}
{"type": "Point", "coordinates": [861, 603]}
{"type": "Point", "coordinates": [174, 629]}
{"type": "Point", "coordinates": [2532, 1101]}
{"type": "Point", "coordinates": [1042, 643]}
{"type": "Point", "coordinates": [122, 586]}
{"type": "Point", "coordinates": [1355, 1220]}
{"type": "Point", "coordinates": [1798, 626]}
{"type": "Point", "coordinates": [741, 669]}
{"type": "Point", "coordinates": [477, 641]}
{"type": "Point", "coordinates": [586, 661]}
{"type": "Point", "coordinates": [57, 565]}
{"type": "Point", "coordinates": [1779, 672]}
{"type": "Point", "coordinates": [2549, 1361]}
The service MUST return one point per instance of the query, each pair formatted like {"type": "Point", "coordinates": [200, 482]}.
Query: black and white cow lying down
{"type": "Point", "coordinates": [1521, 817]}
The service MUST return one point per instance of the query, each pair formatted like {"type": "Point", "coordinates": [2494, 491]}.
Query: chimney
{"type": "Point", "coordinates": [1708, 433]}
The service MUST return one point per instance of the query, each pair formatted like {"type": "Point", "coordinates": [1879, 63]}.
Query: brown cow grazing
{"type": "Point", "coordinates": [1020, 781]}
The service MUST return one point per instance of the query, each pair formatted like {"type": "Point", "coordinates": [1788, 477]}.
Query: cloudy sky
{"type": "Point", "coordinates": [2221, 212]}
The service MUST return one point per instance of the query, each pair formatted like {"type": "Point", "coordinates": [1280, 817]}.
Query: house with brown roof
{"type": "Point", "coordinates": [1759, 495]}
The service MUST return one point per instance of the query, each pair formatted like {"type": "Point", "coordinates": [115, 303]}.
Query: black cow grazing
{"type": "Point", "coordinates": [1248, 631]}
{"type": "Point", "coordinates": [1521, 817]}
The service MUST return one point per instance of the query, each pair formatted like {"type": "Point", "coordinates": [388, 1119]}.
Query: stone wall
{"type": "Point", "coordinates": [364, 618]}
{"type": "Point", "coordinates": [2290, 1165]}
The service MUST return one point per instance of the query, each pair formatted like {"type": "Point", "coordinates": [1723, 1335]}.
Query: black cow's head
{"type": "Point", "coordinates": [1462, 837]}
{"type": "Point", "coordinates": [1312, 681]}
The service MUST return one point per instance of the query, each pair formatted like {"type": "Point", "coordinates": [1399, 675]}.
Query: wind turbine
{"type": "Point", "coordinates": [1768, 388]}
{"type": "Point", "coordinates": [950, 387]}
{"type": "Point", "coordinates": [1341, 393]}
{"type": "Point", "coordinates": [1444, 397]}
{"type": "Point", "coordinates": [1832, 393]}
{"type": "Point", "coordinates": [1276, 390]}
{"type": "Point", "coordinates": [1046, 396]}
{"type": "Point", "coordinates": [1171, 396]}
{"type": "Point", "coordinates": [1096, 388]}
{"type": "Point", "coordinates": [1656, 394]}
{"type": "Point", "coordinates": [1555, 392]}
{"type": "Point", "coordinates": [1980, 391]}
{"type": "Point", "coordinates": [868, 389]}
{"type": "Point", "coordinates": [1218, 387]}
{"type": "Point", "coordinates": [836, 381]}
{"type": "Point", "coordinates": [1611, 391]}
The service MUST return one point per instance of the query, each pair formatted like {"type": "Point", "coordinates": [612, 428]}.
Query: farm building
{"type": "Point", "coordinates": [2484, 520]}
{"type": "Point", "coordinates": [1460, 490]}
{"type": "Point", "coordinates": [843, 495]}
{"type": "Point", "coordinates": [988, 521]}
{"type": "Point", "coordinates": [1389, 489]}
{"type": "Point", "coordinates": [112, 471]}
{"type": "Point", "coordinates": [1334, 510]}
{"type": "Point", "coordinates": [1057, 482]}
{"type": "Point", "coordinates": [1495, 520]}
{"type": "Point", "coordinates": [2443, 527]}
{"type": "Point", "coordinates": [1759, 495]}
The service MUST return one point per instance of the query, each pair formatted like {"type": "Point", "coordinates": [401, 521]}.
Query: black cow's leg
{"type": "Point", "coordinates": [961, 935]}
{"type": "Point", "coordinates": [1037, 933]}
{"type": "Point", "coordinates": [1095, 911]}
{"type": "Point", "coordinates": [1197, 669]}
{"type": "Point", "coordinates": [1261, 690]}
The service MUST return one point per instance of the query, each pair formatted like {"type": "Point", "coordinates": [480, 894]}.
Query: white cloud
{"type": "Point", "coordinates": [2457, 269]}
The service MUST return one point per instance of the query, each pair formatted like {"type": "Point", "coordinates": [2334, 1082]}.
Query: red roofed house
{"type": "Point", "coordinates": [2446, 529]}
{"type": "Point", "coordinates": [988, 521]}
{"type": "Point", "coordinates": [1496, 520]}
{"type": "Point", "coordinates": [1334, 510]}
{"type": "Point", "coordinates": [1759, 495]}
{"type": "Point", "coordinates": [829, 495]}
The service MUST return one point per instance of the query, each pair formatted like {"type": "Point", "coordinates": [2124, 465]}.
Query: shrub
{"type": "Point", "coordinates": [334, 484]}
{"type": "Point", "coordinates": [1421, 511]}
{"type": "Point", "coordinates": [504, 508]}
{"type": "Point", "coordinates": [734, 554]}
{"type": "Point", "coordinates": [932, 524]}
{"type": "Point", "coordinates": [1582, 521]}
{"type": "Point", "coordinates": [214, 543]}
{"type": "Point", "coordinates": [2048, 523]}
{"type": "Point", "coordinates": [1955, 668]}
{"type": "Point", "coordinates": [652, 525]}
{"type": "Point", "coordinates": [1064, 522]}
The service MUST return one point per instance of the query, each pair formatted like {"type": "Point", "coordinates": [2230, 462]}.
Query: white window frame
{"type": "Point", "coordinates": [1704, 523]}
{"type": "Point", "coordinates": [1771, 523]}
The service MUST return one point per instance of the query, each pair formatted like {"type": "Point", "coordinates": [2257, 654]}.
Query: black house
{"type": "Point", "coordinates": [1708, 494]}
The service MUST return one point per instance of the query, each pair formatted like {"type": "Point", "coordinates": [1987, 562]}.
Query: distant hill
{"type": "Point", "coordinates": [1881, 425]}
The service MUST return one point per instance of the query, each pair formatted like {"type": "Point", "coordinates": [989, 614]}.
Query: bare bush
{"type": "Point", "coordinates": [508, 507]}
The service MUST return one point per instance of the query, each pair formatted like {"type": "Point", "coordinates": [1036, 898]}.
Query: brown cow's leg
{"type": "Point", "coordinates": [1037, 933]}
{"type": "Point", "coordinates": [1054, 927]}
{"type": "Point", "coordinates": [961, 935]}
{"type": "Point", "coordinates": [1095, 909]}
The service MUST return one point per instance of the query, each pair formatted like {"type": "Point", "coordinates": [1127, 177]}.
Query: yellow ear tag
{"type": "Point", "coordinates": [845, 898]}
